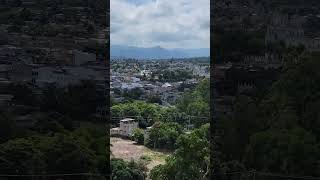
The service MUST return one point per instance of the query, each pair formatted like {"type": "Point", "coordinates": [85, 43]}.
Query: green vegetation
{"type": "Point", "coordinates": [146, 158]}
{"type": "Point", "coordinates": [164, 135]}
{"type": "Point", "coordinates": [147, 113]}
{"type": "Point", "coordinates": [190, 160]}
{"type": "Point", "coordinates": [127, 170]}
{"type": "Point", "coordinates": [172, 76]}
{"type": "Point", "coordinates": [201, 95]}
{"type": "Point", "coordinates": [194, 103]}
{"type": "Point", "coordinates": [138, 136]}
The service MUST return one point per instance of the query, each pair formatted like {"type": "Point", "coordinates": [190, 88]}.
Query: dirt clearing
{"type": "Point", "coordinates": [129, 150]}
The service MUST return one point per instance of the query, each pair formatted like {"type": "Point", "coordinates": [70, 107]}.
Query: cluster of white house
{"type": "Point", "coordinates": [167, 91]}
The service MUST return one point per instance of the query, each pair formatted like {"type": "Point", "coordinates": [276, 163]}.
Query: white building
{"type": "Point", "coordinates": [127, 126]}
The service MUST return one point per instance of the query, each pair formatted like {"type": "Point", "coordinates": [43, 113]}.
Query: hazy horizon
{"type": "Point", "coordinates": [158, 46]}
{"type": "Point", "coordinates": [157, 52]}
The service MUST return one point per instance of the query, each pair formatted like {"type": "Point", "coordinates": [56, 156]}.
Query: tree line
{"type": "Point", "coordinates": [190, 158]}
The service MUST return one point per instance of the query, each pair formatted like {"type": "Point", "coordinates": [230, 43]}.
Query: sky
{"type": "Point", "coordinates": [165, 23]}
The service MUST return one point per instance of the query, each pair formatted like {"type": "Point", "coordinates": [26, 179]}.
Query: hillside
{"type": "Point", "coordinates": [156, 52]}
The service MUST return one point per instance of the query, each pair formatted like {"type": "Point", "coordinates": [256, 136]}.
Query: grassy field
{"type": "Point", "coordinates": [129, 150]}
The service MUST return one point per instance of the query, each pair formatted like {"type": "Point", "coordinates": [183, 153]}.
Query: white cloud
{"type": "Point", "coordinates": [168, 23]}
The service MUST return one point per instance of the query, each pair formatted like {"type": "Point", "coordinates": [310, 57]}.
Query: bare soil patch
{"type": "Point", "coordinates": [125, 149]}
{"type": "Point", "coordinates": [129, 150]}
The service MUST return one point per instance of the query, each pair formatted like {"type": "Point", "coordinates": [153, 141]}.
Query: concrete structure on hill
{"type": "Point", "coordinates": [127, 126]}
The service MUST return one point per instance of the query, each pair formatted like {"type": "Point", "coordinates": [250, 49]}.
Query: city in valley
{"type": "Point", "coordinates": [145, 92]}
{"type": "Point", "coordinates": [158, 81]}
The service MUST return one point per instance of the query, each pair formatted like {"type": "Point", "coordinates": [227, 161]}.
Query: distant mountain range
{"type": "Point", "coordinates": [119, 51]}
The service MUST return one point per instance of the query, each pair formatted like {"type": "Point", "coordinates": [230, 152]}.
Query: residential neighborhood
{"type": "Point", "coordinates": [148, 78]}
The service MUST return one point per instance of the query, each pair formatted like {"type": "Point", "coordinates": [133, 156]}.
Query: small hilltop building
{"type": "Point", "coordinates": [127, 126]}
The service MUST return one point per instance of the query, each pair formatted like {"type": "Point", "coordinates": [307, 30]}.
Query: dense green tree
{"type": "Point", "coordinates": [190, 160]}
{"type": "Point", "coordinates": [138, 136]}
{"type": "Point", "coordinates": [147, 111]}
{"type": "Point", "coordinates": [195, 103]}
{"type": "Point", "coordinates": [164, 135]}
{"type": "Point", "coordinates": [122, 170]}
{"type": "Point", "coordinates": [199, 94]}
{"type": "Point", "coordinates": [172, 76]}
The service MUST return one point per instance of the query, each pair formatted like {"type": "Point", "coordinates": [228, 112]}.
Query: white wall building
{"type": "Point", "coordinates": [127, 126]}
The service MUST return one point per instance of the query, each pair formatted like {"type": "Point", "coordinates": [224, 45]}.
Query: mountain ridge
{"type": "Point", "coordinates": [156, 52]}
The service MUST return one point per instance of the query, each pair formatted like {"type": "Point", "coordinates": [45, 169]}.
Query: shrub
{"type": "Point", "coordinates": [138, 136]}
